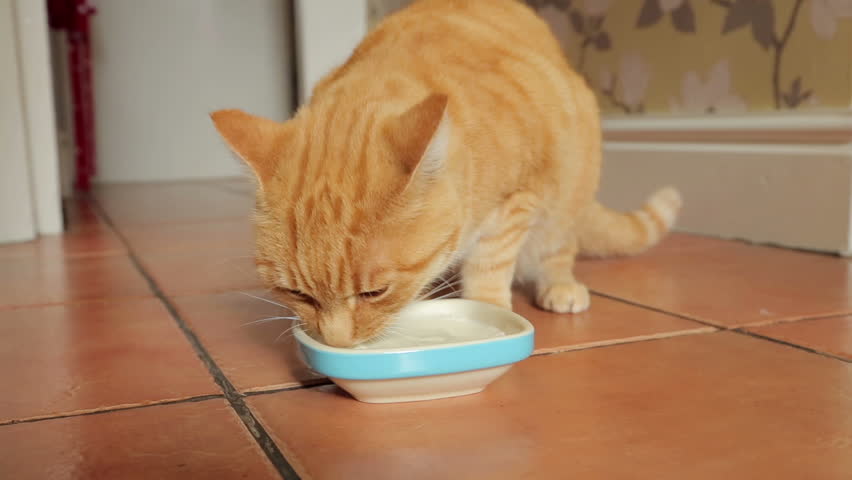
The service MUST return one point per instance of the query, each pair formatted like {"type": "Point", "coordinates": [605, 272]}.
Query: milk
{"type": "Point", "coordinates": [432, 330]}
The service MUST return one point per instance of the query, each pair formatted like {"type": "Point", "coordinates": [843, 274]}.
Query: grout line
{"type": "Point", "coordinates": [234, 398]}
{"type": "Point", "coordinates": [78, 302]}
{"type": "Point", "coordinates": [742, 331]}
{"type": "Point", "coordinates": [110, 409]}
{"type": "Point", "coordinates": [321, 382]}
{"type": "Point", "coordinates": [764, 323]}
{"type": "Point", "coordinates": [783, 321]}
{"type": "Point", "coordinates": [623, 341]}
{"type": "Point", "coordinates": [595, 346]}
{"type": "Point", "coordinates": [658, 310]}
{"type": "Point", "coordinates": [776, 246]}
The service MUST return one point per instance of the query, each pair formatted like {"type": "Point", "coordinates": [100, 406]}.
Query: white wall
{"type": "Point", "coordinates": [37, 88]}
{"type": "Point", "coordinates": [29, 178]}
{"type": "Point", "coordinates": [17, 218]}
{"type": "Point", "coordinates": [327, 32]}
{"type": "Point", "coordinates": [161, 66]}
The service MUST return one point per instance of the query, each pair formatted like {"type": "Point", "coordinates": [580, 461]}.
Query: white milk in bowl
{"type": "Point", "coordinates": [434, 329]}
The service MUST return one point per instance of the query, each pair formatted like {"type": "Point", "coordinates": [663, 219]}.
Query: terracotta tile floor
{"type": "Point", "coordinates": [126, 351]}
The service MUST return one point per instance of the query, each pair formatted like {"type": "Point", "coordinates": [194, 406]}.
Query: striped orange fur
{"type": "Point", "coordinates": [455, 133]}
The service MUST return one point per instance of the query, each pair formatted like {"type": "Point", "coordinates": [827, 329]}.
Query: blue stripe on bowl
{"type": "Point", "coordinates": [423, 361]}
{"type": "Point", "coordinates": [419, 363]}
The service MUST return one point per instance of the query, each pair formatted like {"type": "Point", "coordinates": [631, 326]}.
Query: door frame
{"type": "Point", "coordinates": [31, 172]}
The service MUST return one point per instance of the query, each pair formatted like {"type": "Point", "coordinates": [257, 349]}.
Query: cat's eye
{"type": "Point", "coordinates": [373, 294]}
{"type": "Point", "coordinates": [303, 297]}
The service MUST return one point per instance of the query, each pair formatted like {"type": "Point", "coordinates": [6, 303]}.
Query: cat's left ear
{"type": "Point", "coordinates": [256, 140]}
{"type": "Point", "coordinates": [420, 137]}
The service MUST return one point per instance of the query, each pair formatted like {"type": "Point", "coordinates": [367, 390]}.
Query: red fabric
{"type": "Point", "coordinates": [73, 17]}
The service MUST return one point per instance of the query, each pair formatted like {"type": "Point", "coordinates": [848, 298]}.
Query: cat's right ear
{"type": "Point", "coordinates": [256, 140]}
{"type": "Point", "coordinates": [420, 137]}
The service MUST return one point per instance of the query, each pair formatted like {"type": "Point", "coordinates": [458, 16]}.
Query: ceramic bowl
{"type": "Point", "coordinates": [464, 346]}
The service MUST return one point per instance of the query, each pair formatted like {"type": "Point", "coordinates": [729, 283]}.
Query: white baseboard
{"type": "Point", "coordinates": [782, 178]}
{"type": "Point", "coordinates": [789, 195]}
{"type": "Point", "coordinates": [828, 128]}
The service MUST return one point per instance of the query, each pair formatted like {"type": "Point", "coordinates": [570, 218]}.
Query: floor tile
{"type": "Point", "coordinates": [726, 283]}
{"type": "Point", "coordinates": [85, 234]}
{"type": "Point", "coordinates": [606, 322]}
{"type": "Point", "coordinates": [240, 185]}
{"type": "Point", "coordinates": [252, 355]}
{"type": "Point", "coordinates": [718, 405]}
{"type": "Point", "coordinates": [172, 202]}
{"type": "Point", "coordinates": [247, 353]}
{"type": "Point", "coordinates": [186, 440]}
{"type": "Point", "coordinates": [829, 335]}
{"type": "Point", "coordinates": [190, 237]}
{"type": "Point", "coordinates": [205, 271]}
{"type": "Point", "coordinates": [61, 359]}
{"type": "Point", "coordinates": [82, 214]}
{"type": "Point", "coordinates": [33, 280]}
{"type": "Point", "coordinates": [77, 244]}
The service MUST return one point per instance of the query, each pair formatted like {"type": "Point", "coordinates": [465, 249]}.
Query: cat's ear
{"type": "Point", "coordinates": [254, 139]}
{"type": "Point", "coordinates": [420, 137]}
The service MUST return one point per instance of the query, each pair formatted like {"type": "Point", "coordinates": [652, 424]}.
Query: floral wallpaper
{"type": "Point", "coordinates": [703, 56]}
{"type": "Point", "coordinates": [709, 56]}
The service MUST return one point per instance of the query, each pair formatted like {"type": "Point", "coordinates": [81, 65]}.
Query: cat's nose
{"type": "Point", "coordinates": [337, 332]}
{"type": "Point", "coordinates": [339, 342]}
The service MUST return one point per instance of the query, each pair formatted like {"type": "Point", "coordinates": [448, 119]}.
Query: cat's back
{"type": "Point", "coordinates": [486, 27]}
{"type": "Point", "coordinates": [517, 108]}
{"type": "Point", "coordinates": [454, 39]}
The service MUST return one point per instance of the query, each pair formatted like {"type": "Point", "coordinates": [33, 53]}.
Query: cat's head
{"type": "Point", "coordinates": [355, 214]}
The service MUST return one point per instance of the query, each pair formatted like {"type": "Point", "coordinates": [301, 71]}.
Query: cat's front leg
{"type": "Point", "coordinates": [489, 269]}
{"type": "Point", "coordinates": [556, 288]}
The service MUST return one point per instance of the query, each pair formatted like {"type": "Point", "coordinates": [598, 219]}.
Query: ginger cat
{"type": "Point", "coordinates": [456, 133]}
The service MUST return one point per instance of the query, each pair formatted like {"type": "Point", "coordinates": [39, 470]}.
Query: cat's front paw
{"type": "Point", "coordinates": [564, 298]}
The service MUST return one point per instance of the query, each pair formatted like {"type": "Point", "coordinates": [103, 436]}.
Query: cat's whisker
{"type": "Point", "coordinates": [270, 319]}
{"type": "Point", "coordinates": [265, 300]}
{"type": "Point", "coordinates": [394, 329]}
{"type": "Point", "coordinates": [439, 288]}
{"type": "Point", "coordinates": [289, 330]}
{"type": "Point", "coordinates": [452, 294]}
{"type": "Point", "coordinates": [443, 282]}
{"type": "Point", "coordinates": [450, 286]}
{"type": "Point", "coordinates": [451, 279]}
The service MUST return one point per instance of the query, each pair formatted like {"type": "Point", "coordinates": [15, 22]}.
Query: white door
{"type": "Point", "coordinates": [29, 179]}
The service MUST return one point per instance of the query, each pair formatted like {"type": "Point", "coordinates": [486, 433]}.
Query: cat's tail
{"type": "Point", "coordinates": [605, 232]}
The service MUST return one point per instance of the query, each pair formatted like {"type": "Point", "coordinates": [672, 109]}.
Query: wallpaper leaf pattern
{"type": "Point", "coordinates": [771, 25]}
{"type": "Point", "coordinates": [760, 15]}
{"type": "Point", "coordinates": [682, 14]}
{"type": "Point", "coordinates": [826, 13]}
{"type": "Point", "coordinates": [683, 18]}
{"type": "Point", "coordinates": [711, 96]}
{"type": "Point", "coordinates": [702, 56]}
{"type": "Point", "coordinates": [587, 22]}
